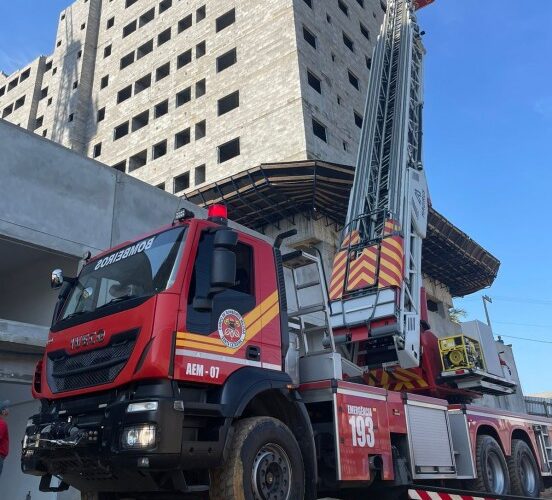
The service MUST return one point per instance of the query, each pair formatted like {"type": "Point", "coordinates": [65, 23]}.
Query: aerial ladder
{"type": "Point", "coordinates": [376, 287]}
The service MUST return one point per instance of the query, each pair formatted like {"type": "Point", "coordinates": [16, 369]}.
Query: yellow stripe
{"type": "Point", "coordinates": [384, 379]}
{"type": "Point", "coordinates": [250, 319]}
{"type": "Point", "coordinates": [404, 381]}
{"type": "Point", "coordinates": [389, 279]}
{"type": "Point", "coordinates": [372, 379]}
{"type": "Point", "coordinates": [361, 266]}
{"type": "Point", "coordinates": [340, 257]}
{"type": "Point", "coordinates": [255, 314]}
{"type": "Point", "coordinates": [191, 341]}
{"type": "Point", "coordinates": [394, 243]}
{"type": "Point", "coordinates": [413, 376]}
{"type": "Point", "coordinates": [370, 280]}
{"type": "Point", "coordinates": [365, 270]}
{"type": "Point", "coordinates": [338, 276]}
{"type": "Point", "coordinates": [392, 255]}
{"type": "Point", "coordinates": [205, 347]}
{"type": "Point", "coordinates": [339, 266]}
{"type": "Point", "coordinates": [391, 267]}
{"type": "Point", "coordinates": [199, 338]}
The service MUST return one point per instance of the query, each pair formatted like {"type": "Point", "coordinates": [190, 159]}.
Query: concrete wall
{"type": "Point", "coordinates": [45, 202]}
{"type": "Point", "coordinates": [54, 204]}
{"type": "Point", "coordinates": [32, 282]}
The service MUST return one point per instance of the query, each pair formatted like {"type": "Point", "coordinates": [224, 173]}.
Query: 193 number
{"type": "Point", "coordinates": [362, 428]}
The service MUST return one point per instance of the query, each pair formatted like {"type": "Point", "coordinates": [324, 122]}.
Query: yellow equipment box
{"type": "Point", "coordinates": [460, 352]}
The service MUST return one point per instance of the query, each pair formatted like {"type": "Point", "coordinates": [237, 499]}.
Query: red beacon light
{"type": "Point", "coordinates": [218, 213]}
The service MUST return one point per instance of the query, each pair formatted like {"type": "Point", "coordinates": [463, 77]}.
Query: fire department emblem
{"type": "Point", "coordinates": [231, 328]}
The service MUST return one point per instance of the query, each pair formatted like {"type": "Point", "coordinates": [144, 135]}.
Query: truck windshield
{"type": "Point", "coordinates": [139, 270]}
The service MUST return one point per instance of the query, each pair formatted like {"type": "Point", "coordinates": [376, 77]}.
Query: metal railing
{"type": "Point", "coordinates": [538, 406]}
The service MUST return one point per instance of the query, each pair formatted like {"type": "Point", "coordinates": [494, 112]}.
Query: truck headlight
{"type": "Point", "coordinates": [145, 406]}
{"type": "Point", "coordinates": [138, 436]}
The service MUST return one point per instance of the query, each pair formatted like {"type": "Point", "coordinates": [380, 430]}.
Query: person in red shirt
{"type": "Point", "coordinates": [4, 436]}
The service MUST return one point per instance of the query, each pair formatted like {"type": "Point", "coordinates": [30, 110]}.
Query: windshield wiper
{"type": "Point", "coordinates": [72, 315]}
{"type": "Point", "coordinates": [117, 299]}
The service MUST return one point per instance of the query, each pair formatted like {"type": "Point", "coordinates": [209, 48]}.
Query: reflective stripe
{"type": "Point", "coordinates": [507, 417]}
{"type": "Point", "coordinates": [434, 495]}
{"type": "Point", "coordinates": [360, 394]}
{"type": "Point", "coordinates": [226, 359]}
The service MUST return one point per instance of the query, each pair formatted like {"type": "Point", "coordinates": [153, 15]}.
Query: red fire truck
{"type": "Point", "coordinates": [203, 357]}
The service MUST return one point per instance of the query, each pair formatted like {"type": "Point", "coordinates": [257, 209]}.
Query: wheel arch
{"type": "Point", "coordinates": [244, 385]}
{"type": "Point", "coordinates": [489, 430]}
{"type": "Point", "coordinates": [522, 434]}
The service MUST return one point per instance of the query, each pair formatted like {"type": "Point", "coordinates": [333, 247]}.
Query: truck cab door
{"type": "Point", "coordinates": [212, 343]}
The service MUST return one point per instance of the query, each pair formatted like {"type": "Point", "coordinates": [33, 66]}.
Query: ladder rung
{"type": "Point", "coordinates": [314, 329]}
{"type": "Point", "coordinates": [302, 311]}
{"type": "Point", "coordinates": [308, 284]}
{"type": "Point", "coordinates": [291, 255]}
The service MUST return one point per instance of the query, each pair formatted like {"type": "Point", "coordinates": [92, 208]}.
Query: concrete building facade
{"type": "Point", "coordinates": [50, 217]}
{"type": "Point", "coordinates": [178, 93]}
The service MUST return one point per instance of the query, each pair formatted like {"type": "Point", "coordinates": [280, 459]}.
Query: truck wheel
{"type": "Point", "coordinates": [524, 472]}
{"type": "Point", "coordinates": [492, 470]}
{"type": "Point", "coordinates": [264, 462]}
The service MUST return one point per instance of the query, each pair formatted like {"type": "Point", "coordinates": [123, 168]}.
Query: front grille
{"type": "Point", "coordinates": [68, 372]}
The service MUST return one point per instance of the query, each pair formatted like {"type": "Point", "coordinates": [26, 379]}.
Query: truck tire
{"type": "Point", "coordinates": [524, 473]}
{"type": "Point", "coordinates": [492, 470]}
{"type": "Point", "coordinates": [264, 462]}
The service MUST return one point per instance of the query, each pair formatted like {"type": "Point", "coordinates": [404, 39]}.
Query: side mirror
{"type": "Point", "coordinates": [223, 270]}
{"type": "Point", "coordinates": [225, 238]}
{"type": "Point", "coordinates": [56, 279]}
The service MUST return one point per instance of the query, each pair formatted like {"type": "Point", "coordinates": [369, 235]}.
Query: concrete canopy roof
{"type": "Point", "coordinates": [270, 193]}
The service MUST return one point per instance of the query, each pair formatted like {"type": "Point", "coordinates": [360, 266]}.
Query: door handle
{"type": "Point", "coordinates": [253, 352]}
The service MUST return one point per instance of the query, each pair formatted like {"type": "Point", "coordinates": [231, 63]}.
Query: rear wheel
{"type": "Point", "coordinates": [524, 472]}
{"type": "Point", "coordinates": [264, 463]}
{"type": "Point", "coordinates": [492, 470]}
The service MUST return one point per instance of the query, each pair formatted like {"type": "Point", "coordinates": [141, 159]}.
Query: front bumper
{"type": "Point", "coordinates": [80, 440]}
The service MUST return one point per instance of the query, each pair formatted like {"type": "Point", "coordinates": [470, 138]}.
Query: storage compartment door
{"type": "Point", "coordinates": [430, 442]}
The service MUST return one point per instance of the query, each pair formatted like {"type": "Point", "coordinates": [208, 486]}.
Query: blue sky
{"type": "Point", "coordinates": [27, 30]}
{"type": "Point", "coordinates": [488, 133]}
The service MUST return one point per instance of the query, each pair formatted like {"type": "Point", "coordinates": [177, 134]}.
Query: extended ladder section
{"type": "Point", "coordinates": [376, 280]}
{"type": "Point", "coordinates": [545, 446]}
